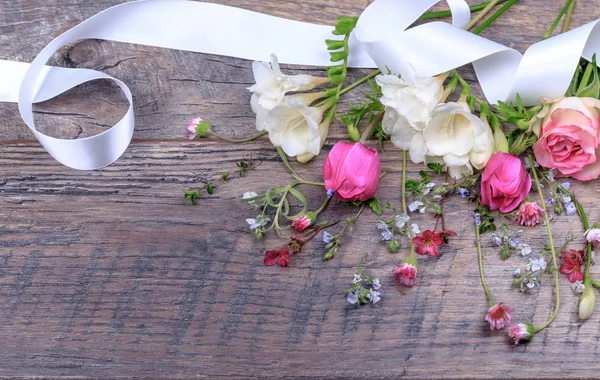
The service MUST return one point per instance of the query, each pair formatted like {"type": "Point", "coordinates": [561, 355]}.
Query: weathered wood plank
{"type": "Point", "coordinates": [111, 273]}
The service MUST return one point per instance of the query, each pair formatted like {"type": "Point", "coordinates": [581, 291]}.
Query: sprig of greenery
{"type": "Point", "coordinates": [336, 240]}
{"type": "Point", "coordinates": [242, 167]}
{"type": "Point", "coordinates": [369, 109]}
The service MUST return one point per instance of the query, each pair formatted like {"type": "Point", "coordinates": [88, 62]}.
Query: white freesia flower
{"type": "Point", "coordinates": [272, 85]}
{"type": "Point", "coordinates": [459, 138]}
{"type": "Point", "coordinates": [297, 128]}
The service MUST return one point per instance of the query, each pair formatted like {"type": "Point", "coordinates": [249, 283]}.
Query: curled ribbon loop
{"type": "Point", "coordinates": [382, 39]}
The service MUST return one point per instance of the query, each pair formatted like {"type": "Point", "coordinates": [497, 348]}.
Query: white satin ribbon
{"type": "Point", "coordinates": [381, 38]}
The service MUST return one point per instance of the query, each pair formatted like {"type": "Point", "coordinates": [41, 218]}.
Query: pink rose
{"type": "Point", "coordinates": [504, 183]}
{"type": "Point", "coordinates": [568, 138]}
{"type": "Point", "coordinates": [352, 171]}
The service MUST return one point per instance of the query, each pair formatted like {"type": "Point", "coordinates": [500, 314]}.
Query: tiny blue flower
{"type": "Point", "coordinates": [329, 193]}
{"type": "Point", "coordinates": [327, 237]}
{"type": "Point", "coordinates": [477, 218]}
{"type": "Point", "coordinates": [464, 193]}
{"type": "Point", "coordinates": [571, 209]}
{"type": "Point", "coordinates": [566, 185]}
{"type": "Point", "coordinates": [352, 298]}
{"type": "Point", "coordinates": [376, 284]}
{"type": "Point", "coordinates": [551, 201]}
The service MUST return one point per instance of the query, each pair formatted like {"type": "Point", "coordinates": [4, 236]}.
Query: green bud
{"type": "Point", "coordinates": [344, 25]}
{"type": "Point", "coordinates": [500, 141]}
{"type": "Point", "coordinates": [394, 246]}
{"type": "Point", "coordinates": [337, 79]}
{"type": "Point", "coordinates": [522, 124]}
{"type": "Point", "coordinates": [412, 262]}
{"type": "Point", "coordinates": [334, 44]}
{"type": "Point", "coordinates": [353, 132]}
{"type": "Point", "coordinates": [587, 302]}
{"type": "Point", "coordinates": [337, 56]}
{"type": "Point", "coordinates": [202, 129]}
{"type": "Point", "coordinates": [335, 70]}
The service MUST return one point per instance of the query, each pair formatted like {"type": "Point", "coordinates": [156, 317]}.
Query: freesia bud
{"type": "Point", "coordinates": [352, 171]}
{"type": "Point", "coordinates": [587, 302]}
{"type": "Point", "coordinates": [500, 141]}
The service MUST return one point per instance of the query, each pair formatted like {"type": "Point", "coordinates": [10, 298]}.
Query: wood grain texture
{"type": "Point", "coordinates": [111, 273]}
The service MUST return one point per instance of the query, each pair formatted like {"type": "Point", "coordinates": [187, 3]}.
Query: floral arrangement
{"type": "Point", "coordinates": [510, 162]}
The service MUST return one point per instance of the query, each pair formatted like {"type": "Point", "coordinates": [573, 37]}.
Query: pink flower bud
{"type": "Point", "coordinates": [504, 183]}
{"type": "Point", "coordinates": [352, 171]}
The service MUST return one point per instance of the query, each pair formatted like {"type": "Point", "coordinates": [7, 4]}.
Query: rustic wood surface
{"type": "Point", "coordinates": [111, 273]}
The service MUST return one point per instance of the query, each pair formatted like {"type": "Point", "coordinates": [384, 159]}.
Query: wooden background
{"type": "Point", "coordinates": [112, 273]}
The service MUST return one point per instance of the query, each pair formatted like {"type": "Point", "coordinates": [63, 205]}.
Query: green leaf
{"type": "Point", "coordinates": [192, 196]}
{"type": "Point", "coordinates": [375, 205]}
{"type": "Point", "coordinates": [424, 176]}
{"type": "Point", "coordinates": [334, 44]}
{"type": "Point", "coordinates": [412, 185]}
{"type": "Point", "coordinates": [225, 176]}
{"type": "Point", "coordinates": [435, 167]}
{"type": "Point", "coordinates": [210, 189]}
{"type": "Point", "coordinates": [591, 90]}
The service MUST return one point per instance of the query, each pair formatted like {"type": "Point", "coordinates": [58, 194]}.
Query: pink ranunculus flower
{"type": "Point", "coordinates": [301, 223]}
{"type": "Point", "coordinates": [529, 214]}
{"type": "Point", "coordinates": [406, 273]}
{"type": "Point", "coordinates": [504, 183]}
{"type": "Point", "coordinates": [569, 137]}
{"type": "Point", "coordinates": [498, 315]}
{"type": "Point", "coordinates": [352, 171]}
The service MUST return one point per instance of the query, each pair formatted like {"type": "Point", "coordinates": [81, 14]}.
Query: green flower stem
{"type": "Point", "coordinates": [552, 249]}
{"type": "Point", "coordinates": [247, 139]}
{"type": "Point", "coordinates": [488, 294]}
{"type": "Point", "coordinates": [370, 127]}
{"type": "Point", "coordinates": [297, 179]}
{"type": "Point", "coordinates": [482, 14]}
{"type": "Point", "coordinates": [587, 278]}
{"type": "Point", "coordinates": [412, 253]}
{"type": "Point", "coordinates": [442, 14]}
{"type": "Point", "coordinates": [558, 18]}
{"type": "Point", "coordinates": [494, 16]}
{"type": "Point", "coordinates": [568, 17]}
{"type": "Point", "coordinates": [325, 203]}
{"type": "Point", "coordinates": [359, 82]}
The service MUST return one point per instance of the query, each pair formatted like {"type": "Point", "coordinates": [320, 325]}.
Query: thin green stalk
{"type": "Point", "coordinates": [551, 241]}
{"type": "Point", "coordinates": [488, 294]}
{"type": "Point", "coordinates": [327, 199]}
{"type": "Point", "coordinates": [404, 207]}
{"type": "Point", "coordinates": [286, 162]}
{"type": "Point", "coordinates": [557, 19]}
{"type": "Point", "coordinates": [360, 81]}
{"type": "Point", "coordinates": [370, 127]}
{"type": "Point", "coordinates": [568, 17]}
{"type": "Point", "coordinates": [247, 139]}
{"type": "Point", "coordinates": [482, 14]}
{"type": "Point", "coordinates": [442, 14]}
{"type": "Point", "coordinates": [494, 16]}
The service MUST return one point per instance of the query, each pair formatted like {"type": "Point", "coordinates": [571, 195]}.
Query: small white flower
{"type": "Point", "coordinates": [376, 284]}
{"type": "Point", "coordinates": [257, 222]}
{"type": "Point", "coordinates": [401, 220]}
{"type": "Point", "coordinates": [460, 138]}
{"type": "Point", "coordinates": [578, 286]}
{"type": "Point", "coordinates": [415, 229]}
{"type": "Point", "coordinates": [530, 285]}
{"type": "Point", "coordinates": [272, 84]}
{"type": "Point", "coordinates": [525, 249]}
{"type": "Point", "coordinates": [297, 128]}
{"type": "Point", "coordinates": [414, 206]}
{"type": "Point", "coordinates": [593, 235]}
{"type": "Point", "coordinates": [566, 199]}
{"type": "Point", "coordinates": [357, 278]}
{"type": "Point", "coordinates": [497, 239]}
{"type": "Point", "coordinates": [537, 264]}
{"type": "Point", "coordinates": [374, 296]}
{"type": "Point", "coordinates": [249, 194]}
{"type": "Point", "coordinates": [566, 185]}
